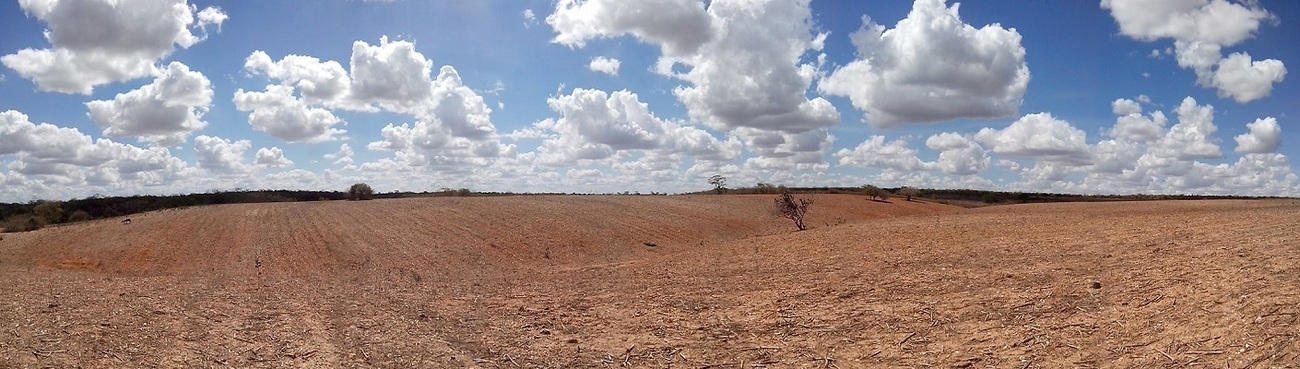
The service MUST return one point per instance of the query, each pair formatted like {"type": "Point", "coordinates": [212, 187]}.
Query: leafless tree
{"type": "Point", "coordinates": [794, 209]}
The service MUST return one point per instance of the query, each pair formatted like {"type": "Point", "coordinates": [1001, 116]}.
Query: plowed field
{"type": "Point", "coordinates": [662, 281]}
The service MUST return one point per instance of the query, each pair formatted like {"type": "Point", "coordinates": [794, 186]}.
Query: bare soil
{"type": "Point", "coordinates": [660, 281]}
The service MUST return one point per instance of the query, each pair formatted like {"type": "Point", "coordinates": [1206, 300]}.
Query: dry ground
{"type": "Point", "coordinates": [571, 282]}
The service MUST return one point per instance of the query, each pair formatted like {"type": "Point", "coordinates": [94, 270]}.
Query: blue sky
{"type": "Point", "coordinates": [160, 97]}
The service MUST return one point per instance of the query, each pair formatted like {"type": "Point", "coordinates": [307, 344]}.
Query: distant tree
{"type": "Point", "coordinates": [876, 193]}
{"type": "Point", "coordinates": [908, 192]}
{"type": "Point", "coordinates": [719, 183]}
{"type": "Point", "coordinates": [794, 209]}
{"type": "Point", "coordinates": [21, 223]}
{"type": "Point", "coordinates": [79, 216]}
{"type": "Point", "coordinates": [765, 188]}
{"type": "Point", "coordinates": [49, 212]}
{"type": "Point", "coordinates": [360, 191]}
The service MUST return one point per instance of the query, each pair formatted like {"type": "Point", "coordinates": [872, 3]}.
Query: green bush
{"type": "Point", "coordinates": [876, 193]}
{"type": "Point", "coordinates": [360, 191]}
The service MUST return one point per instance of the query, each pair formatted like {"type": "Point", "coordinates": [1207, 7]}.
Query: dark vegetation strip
{"type": "Point", "coordinates": [19, 217]}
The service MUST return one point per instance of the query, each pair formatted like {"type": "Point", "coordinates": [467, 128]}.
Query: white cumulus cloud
{"type": "Point", "coordinates": [678, 26]}
{"type": "Point", "coordinates": [595, 125]}
{"type": "Point", "coordinates": [1039, 136]}
{"type": "Point", "coordinates": [932, 67]}
{"type": "Point", "coordinates": [390, 77]}
{"type": "Point", "coordinates": [391, 74]}
{"type": "Point", "coordinates": [220, 155]}
{"type": "Point", "coordinates": [604, 65]}
{"type": "Point", "coordinates": [278, 113]}
{"type": "Point", "coordinates": [761, 38]}
{"type": "Point", "coordinates": [1193, 137]}
{"type": "Point", "coordinates": [322, 83]}
{"type": "Point", "coordinates": [1200, 30]}
{"type": "Point", "coordinates": [162, 113]}
{"type": "Point", "coordinates": [271, 158]}
{"type": "Point", "coordinates": [1131, 125]}
{"type": "Point", "coordinates": [958, 154]}
{"type": "Point", "coordinates": [342, 157]}
{"type": "Point", "coordinates": [96, 42]}
{"type": "Point", "coordinates": [876, 153]}
{"type": "Point", "coordinates": [53, 161]}
{"type": "Point", "coordinates": [1265, 137]}
{"type": "Point", "coordinates": [1244, 80]}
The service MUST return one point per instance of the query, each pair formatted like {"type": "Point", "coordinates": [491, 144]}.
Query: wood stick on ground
{"type": "Point", "coordinates": [909, 336]}
{"type": "Point", "coordinates": [627, 356]}
{"type": "Point", "coordinates": [1171, 358]}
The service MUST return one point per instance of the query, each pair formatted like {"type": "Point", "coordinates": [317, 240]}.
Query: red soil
{"type": "Point", "coordinates": [572, 281]}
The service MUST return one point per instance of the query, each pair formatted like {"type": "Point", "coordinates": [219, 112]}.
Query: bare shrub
{"type": "Point", "coordinates": [908, 192]}
{"type": "Point", "coordinates": [794, 209]}
{"type": "Point", "coordinates": [21, 223]}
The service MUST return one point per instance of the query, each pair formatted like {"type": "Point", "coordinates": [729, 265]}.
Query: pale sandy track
{"type": "Point", "coordinates": [568, 282]}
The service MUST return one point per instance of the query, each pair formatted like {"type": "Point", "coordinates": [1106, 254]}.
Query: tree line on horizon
{"type": "Point", "coordinates": [21, 217]}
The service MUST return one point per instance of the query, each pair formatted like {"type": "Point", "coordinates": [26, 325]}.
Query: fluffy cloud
{"type": "Point", "coordinates": [1193, 137]}
{"type": "Point", "coordinates": [958, 154]}
{"type": "Point", "coordinates": [391, 77]}
{"type": "Point", "coordinates": [595, 125]}
{"type": "Point", "coordinates": [271, 158]}
{"type": "Point", "coordinates": [875, 153]}
{"type": "Point", "coordinates": [932, 67]}
{"type": "Point", "coordinates": [722, 48]}
{"type": "Point", "coordinates": [1244, 80]}
{"type": "Point", "coordinates": [162, 113]}
{"type": "Point", "coordinates": [211, 15]}
{"type": "Point", "coordinates": [1200, 30]}
{"type": "Point", "coordinates": [529, 18]}
{"type": "Point", "coordinates": [426, 144]}
{"type": "Point", "coordinates": [321, 83]}
{"type": "Point", "coordinates": [52, 162]}
{"type": "Point", "coordinates": [604, 65]}
{"type": "Point", "coordinates": [678, 26]}
{"type": "Point", "coordinates": [1145, 157]}
{"type": "Point", "coordinates": [278, 113]}
{"type": "Point", "coordinates": [457, 108]}
{"type": "Point", "coordinates": [1041, 136]}
{"type": "Point", "coordinates": [1214, 21]}
{"type": "Point", "coordinates": [760, 39]}
{"type": "Point", "coordinates": [342, 157]}
{"type": "Point", "coordinates": [1265, 137]}
{"type": "Point", "coordinates": [391, 74]}
{"type": "Point", "coordinates": [95, 42]}
{"type": "Point", "coordinates": [219, 155]}
{"type": "Point", "coordinates": [1132, 125]}
{"type": "Point", "coordinates": [781, 151]}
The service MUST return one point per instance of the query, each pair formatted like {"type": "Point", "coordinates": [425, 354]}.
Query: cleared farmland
{"type": "Point", "coordinates": [659, 281]}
